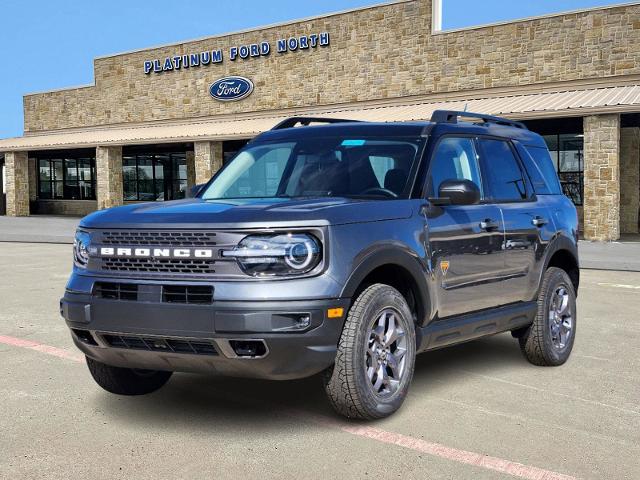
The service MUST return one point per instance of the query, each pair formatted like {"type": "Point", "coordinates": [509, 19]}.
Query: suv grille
{"type": "Point", "coordinates": [159, 344]}
{"type": "Point", "coordinates": [159, 238]}
{"type": "Point", "coordinates": [199, 295]}
{"type": "Point", "coordinates": [116, 291]}
{"type": "Point", "coordinates": [167, 266]}
{"type": "Point", "coordinates": [158, 265]}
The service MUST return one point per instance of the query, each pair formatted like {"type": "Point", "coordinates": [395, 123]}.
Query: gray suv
{"type": "Point", "coordinates": [337, 248]}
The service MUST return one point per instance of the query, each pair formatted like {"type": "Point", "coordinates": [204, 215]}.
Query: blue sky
{"type": "Point", "coordinates": [49, 44]}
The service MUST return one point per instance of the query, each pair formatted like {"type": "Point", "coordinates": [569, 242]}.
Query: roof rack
{"type": "Point", "coordinates": [305, 121]}
{"type": "Point", "coordinates": [450, 116]}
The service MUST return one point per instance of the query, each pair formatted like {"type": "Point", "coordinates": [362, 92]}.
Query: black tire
{"type": "Point", "coordinates": [348, 386]}
{"type": "Point", "coordinates": [127, 381]}
{"type": "Point", "coordinates": [538, 343]}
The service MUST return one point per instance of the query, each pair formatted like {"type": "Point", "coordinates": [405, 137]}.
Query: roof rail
{"type": "Point", "coordinates": [450, 116]}
{"type": "Point", "coordinates": [305, 121]}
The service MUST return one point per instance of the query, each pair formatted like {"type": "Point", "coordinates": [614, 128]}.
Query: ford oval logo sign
{"type": "Point", "coordinates": [230, 89]}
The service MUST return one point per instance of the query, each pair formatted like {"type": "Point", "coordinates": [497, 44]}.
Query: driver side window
{"type": "Point", "coordinates": [454, 158]}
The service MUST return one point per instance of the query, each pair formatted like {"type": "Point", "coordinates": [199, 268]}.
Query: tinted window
{"type": "Point", "coordinates": [502, 172]}
{"type": "Point", "coordinates": [319, 167]}
{"type": "Point", "coordinates": [541, 170]}
{"type": "Point", "coordinates": [454, 159]}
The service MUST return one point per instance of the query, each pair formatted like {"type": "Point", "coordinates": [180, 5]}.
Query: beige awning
{"type": "Point", "coordinates": [575, 102]}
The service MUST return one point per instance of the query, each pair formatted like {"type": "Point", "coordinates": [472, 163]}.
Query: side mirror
{"type": "Point", "coordinates": [457, 192]}
{"type": "Point", "coordinates": [195, 190]}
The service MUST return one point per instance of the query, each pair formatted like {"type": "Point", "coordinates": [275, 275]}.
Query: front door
{"type": "Point", "coordinates": [3, 188]}
{"type": "Point", "coordinates": [465, 243]}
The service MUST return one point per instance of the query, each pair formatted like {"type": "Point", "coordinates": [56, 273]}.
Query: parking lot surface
{"type": "Point", "coordinates": [477, 411]}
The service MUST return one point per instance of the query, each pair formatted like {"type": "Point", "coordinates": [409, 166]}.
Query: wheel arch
{"type": "Point", "coordinates": [397, 268]}
{"type": "Point", "coordinates": [563, 254]}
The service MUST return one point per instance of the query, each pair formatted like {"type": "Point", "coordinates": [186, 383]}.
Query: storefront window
{"type": "Point", "coordinates": [66, 177]}
{"type": "Point", "coordinates": [154, 177]}
{"type": "Point", "coordinates": [568, 159]}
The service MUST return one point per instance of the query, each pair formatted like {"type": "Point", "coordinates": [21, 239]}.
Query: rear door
{"type": "Point", "coordinates": [464, 242]}
{"type": "Point", "coordinates": [527, 223]}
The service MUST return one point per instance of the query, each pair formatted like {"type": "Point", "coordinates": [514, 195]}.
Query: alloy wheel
{"type": "Point", "coordinates": [385, 358]}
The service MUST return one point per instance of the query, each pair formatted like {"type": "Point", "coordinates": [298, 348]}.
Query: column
{"type": "Point", "coordinates": [109, 172]}
{"type": "Point", "coordinates": [17, 172]}
{"type": "Point", "coordinates": [33, 179]}
{"type": "Point", "coordinates": [629, 179]}
{"type": "Point", "coordinates": [208, 160]}
{"type": "Point", "coordinates": [191, 169]}
{"type": "Point", "coordinates": [602, 177]}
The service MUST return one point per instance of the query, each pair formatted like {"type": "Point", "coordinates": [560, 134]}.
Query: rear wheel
{"type": "Point", "coordinates": [127, 381]}
{"type": "Point", "coordinates": [376, 356]}
{"type": "Point", "coordinates": [549, 340]}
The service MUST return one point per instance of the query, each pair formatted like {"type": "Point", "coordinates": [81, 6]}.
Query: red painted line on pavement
{"type": "Point", "coordinates": [460, 456]}
{"type": "Point", "coordinates": [434, 449]}
{"type": "Point", "coordinates": [41, 347]}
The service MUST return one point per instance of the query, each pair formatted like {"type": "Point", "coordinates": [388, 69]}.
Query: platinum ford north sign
{"type": "Point", "coordinates": [242, 52]}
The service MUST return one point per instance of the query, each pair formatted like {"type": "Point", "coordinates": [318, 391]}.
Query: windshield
{"type": "Point", "coordinates": [319, 167]}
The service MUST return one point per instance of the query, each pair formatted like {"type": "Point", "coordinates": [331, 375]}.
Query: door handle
{"type": "Point", "coordinates": [489, 225]}
{"type": "Point", "coordinates": [539, 221]}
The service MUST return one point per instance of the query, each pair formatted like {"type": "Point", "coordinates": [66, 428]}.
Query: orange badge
{"type": "Point", "coordinates": [444, 266]}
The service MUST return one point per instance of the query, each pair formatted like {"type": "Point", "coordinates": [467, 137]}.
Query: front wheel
{"type": "Point", "coordinates": [549, 340]}
{"type": "Point", "coordinates": [376, 356]}
{"type": "Point", "coordinates": [127, 381]}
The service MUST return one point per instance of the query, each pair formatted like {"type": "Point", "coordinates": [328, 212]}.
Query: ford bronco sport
{"type": "Point", "coordinates": [343, 249]}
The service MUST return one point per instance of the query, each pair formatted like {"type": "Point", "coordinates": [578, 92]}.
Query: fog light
{"type": "Point", "coordinates": [304, 321]}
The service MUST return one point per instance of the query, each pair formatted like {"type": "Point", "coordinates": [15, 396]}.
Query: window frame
{"type": "Point", "coordinates": [63, 159]}
{"type": "Point", "coordinates": [474, 141]}
{"type": "Point", "coordinates": [530, 191]}
{"type": "Point", "coordinates": [169, 182]}
{"type": "Point", "coordinates": [556, 163]}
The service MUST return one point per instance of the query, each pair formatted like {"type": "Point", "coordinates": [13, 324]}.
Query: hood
{"type": "Point", "coordinates": [251, 213]}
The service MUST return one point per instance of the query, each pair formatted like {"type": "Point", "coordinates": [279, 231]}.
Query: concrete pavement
{"type": "Point", "coordinates": [581, 420]}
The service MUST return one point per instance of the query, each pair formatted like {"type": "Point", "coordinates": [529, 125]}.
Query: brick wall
{"type": "Point", "coordinates": [381, 52]}
{"type": "Point", "coordinates": [78, 208]}
{"type": "Point", "coordinates": [109, 177]}
{"type": "Point", "coordinates": [602, 177]}
{"type": "Point", "coordinates": [17, 174]}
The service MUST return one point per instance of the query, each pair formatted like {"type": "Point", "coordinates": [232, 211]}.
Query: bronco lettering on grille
{"type": "Point", "coordinates": [156, 252]}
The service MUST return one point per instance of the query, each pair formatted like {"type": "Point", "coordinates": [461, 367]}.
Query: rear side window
{"type": "Point", "coordinates": [502, 172]}
{"type": "Point", "coordinates": [540, 167]}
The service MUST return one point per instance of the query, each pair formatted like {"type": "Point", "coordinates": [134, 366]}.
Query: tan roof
{"type": "Point", "coordinates": [535, 105]}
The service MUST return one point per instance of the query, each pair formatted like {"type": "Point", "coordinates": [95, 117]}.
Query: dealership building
{"type": "Point", "coordinates": [159, 120]}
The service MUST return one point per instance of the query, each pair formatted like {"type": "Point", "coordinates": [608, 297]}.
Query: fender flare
{"type": "Point", "coordinates": [561, 242]}
{"type": "Point", "coordinates": [397, 256]}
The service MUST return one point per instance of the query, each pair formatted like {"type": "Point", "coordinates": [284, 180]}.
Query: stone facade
{"type": "Point", "coordinates": [375, 53]}
{"type": "Point", "coordinates": [33, 180]}
{"type": "Point", "coordinates": [208, 160]}
{"type": "Point", "coordinates": [109, 172]}
{"type": "Point", "coordinates": [17, 173]}
{"type": "Point", "coordinates": [602, 177]}
{"type": "Point", "coordinates": [629, 179]}
{"type": "Point", "coordinates": [77, 208]}
{"type": "Point", "coordinates": [191, 169]}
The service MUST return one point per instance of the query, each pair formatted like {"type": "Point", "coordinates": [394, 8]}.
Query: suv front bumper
{"type": "Point", "coordinates": [206, 338]}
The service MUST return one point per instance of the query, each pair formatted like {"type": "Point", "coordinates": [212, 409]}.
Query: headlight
{"type": "Point", "coordinates": [81, 249]}
{"type": "Point", "coordinates": [277, 255]}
